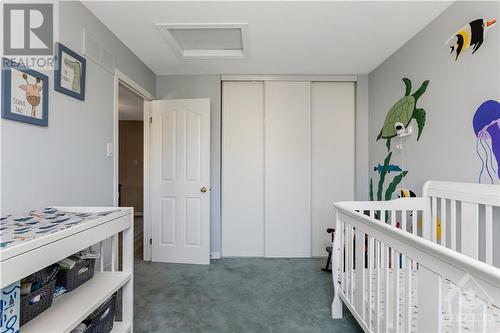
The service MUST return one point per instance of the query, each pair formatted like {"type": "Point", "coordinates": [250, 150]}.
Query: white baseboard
{"type": "Point", "coordinates": [215, 255]}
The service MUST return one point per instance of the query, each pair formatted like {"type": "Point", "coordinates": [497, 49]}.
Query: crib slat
{"type": "Point", "coordinates": [429, 300]}
{"type": "Point", "coordinates": [370, 270]}
{"type": "Point", "coordinates": [101, 257]}
{"type": "Point", "coordinates": [360, 273]}
{"type": "Point", "coordinates": [427, 219]}
{"type": "Point", "coordinates": [352, 264]}
{"type": "Point", "coordinates": [342, 259]}
{"type": "Point", "coordinates": [489, 234]}
{"type": "Point", "coordinates": [443, 221]}
{"type": "Point", "coordinates": [347, 261]}
{"type": "Point", "coordinates": [377, 286]}
{"type": "Point", "coordinates": [403, 220]}
{"type": "Point", "coordinates": [470, 229]}
{"type": "Point", "coordinates": [395, 290]}
{"type": "Point", "coordinates": [433, 220]}
{"type": "Point", "coordinates": [456, 310]}
{"type": "Point", "coordinates": [453, 224]}
{"type": "Point", "coordinates": [114, 248]}
{"type": "Point", "coordinates": [414, 220]}
{"type": "Point", "coordinates": [348, 257]}
{"type": "Point", "coordinates": [414, 228]}
{"type": "Point", "coordinates": [393, 218]}
{"type": "Point", "coordinates": [484, 318]}
{"type": "Point", "coordinates": [386, 286]}
{"type": "Point", "coordinates": [407, 297]}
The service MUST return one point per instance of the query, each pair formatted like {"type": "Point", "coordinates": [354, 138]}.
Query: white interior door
{"type": "Point", "coordinates": [180, 180]}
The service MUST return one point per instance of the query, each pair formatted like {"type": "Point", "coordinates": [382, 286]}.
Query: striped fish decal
{"type": "Point", "coordinates": [472, 34]}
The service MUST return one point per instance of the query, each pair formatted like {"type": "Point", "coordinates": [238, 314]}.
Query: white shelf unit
{"type": "Point", "coordinates": [69, 309]}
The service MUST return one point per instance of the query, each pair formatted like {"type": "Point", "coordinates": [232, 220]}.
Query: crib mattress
{"type": "Point", "coordinates": [450, 292]}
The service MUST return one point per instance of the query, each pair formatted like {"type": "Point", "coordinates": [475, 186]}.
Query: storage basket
{"type": "Point", "coordinates": [76, 276]}
{"type": "Point", "coordinates": [36, 302]}
{"type": "Point", "coordinates": [102, 319]}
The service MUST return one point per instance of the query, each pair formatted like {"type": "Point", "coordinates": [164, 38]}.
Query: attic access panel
{"type": "Point", "coordinates": [207, 40]}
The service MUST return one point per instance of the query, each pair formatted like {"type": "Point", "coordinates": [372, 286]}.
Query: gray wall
{"type": "Point", "coordinates": [447, 147]}
{"type": "Point", "coordinates": [200, 86]}
{"type": "Point", "coordinates": [65, 163]}
{"type": "Point", "coordinates": [362, 138]}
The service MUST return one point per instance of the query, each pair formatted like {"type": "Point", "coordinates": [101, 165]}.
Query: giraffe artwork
{"type": "Point", "coordinates": [25, 96]}
{"type": "Point", "coordinates": [32, 93]}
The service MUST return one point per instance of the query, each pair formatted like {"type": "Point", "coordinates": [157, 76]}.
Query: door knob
{"type": "Point", "coordinates": [203, 189]}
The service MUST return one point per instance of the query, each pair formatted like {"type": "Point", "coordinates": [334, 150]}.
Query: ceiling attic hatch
{"type": "Point", "coordinates": [206, 40]}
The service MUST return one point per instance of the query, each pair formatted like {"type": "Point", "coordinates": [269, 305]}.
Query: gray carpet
{"type": "Point", "coordinates": [236, 296]}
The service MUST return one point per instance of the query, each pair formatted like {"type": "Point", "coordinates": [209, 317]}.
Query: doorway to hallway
{"type": "Point", "coordinates": [131, 159]}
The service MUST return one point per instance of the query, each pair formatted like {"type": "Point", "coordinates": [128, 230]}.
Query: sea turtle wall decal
{"type": "Point", "coordinates": [402, 112]}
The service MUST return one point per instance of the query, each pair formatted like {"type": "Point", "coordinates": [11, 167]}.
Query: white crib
{"type": "Point", "coordinates": [429, 268]}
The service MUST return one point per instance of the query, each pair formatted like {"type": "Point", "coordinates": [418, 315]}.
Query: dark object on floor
{"type": "Point", "coordinates": [329, 250]}
{"type": "Point", "coordinates": [76, 276]}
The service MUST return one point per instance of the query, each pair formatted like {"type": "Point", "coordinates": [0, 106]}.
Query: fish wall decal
{"type": "Point", "coordinates": [472, 34]}
{"type": "Point", "coordinates": [390, 168]}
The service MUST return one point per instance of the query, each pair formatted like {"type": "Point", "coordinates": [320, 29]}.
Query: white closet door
{"type": "Point", "coordinates": [333, 139]}
{"type": "Point", "coordinates": [287, 169]}
{"type": "Point", "coordinates": [243, 169]}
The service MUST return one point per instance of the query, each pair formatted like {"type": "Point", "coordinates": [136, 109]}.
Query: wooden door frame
{"type": "Point", "coordinates": [123, 79]}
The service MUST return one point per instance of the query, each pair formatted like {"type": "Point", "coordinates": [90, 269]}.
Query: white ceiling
{"type": "Point", "coordinates": [130, 105]}
{"type": "Point", "coordinates": [342, 37]}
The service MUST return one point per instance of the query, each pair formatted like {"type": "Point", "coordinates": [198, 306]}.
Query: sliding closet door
{"type": "Point", "coordinates": [333, 140]}
{"type": "Point", "coordinates": [243, 169]}
{"type": "Point", "coordinates": [287, 169]}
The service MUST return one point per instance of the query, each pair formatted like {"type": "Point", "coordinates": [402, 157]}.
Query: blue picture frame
{"type": "Point", "coordinates": [79, 64]}
{"type": "Point", "coordinates": [7, 100]}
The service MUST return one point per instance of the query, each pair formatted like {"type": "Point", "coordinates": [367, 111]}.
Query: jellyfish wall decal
{"type": "Point", "coordinates": [486, 123]}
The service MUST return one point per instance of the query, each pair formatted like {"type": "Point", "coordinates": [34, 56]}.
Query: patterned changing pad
{"type": "Point", "coordinates": [18, 229]}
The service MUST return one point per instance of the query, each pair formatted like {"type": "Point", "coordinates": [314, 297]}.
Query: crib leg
{"type": "Point", "coordinates": [337, 305]}
{"type": "Point", "coordinates": [337, 308]}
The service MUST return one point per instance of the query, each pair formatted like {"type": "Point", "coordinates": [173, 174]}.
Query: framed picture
{"type": "Point", "coordinates": [25, 94]}
{"type": "Point", "coordinates": [69, 75]}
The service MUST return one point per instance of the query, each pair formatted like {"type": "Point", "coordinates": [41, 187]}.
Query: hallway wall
{"type": "Point", "coordinates": [131, 164]}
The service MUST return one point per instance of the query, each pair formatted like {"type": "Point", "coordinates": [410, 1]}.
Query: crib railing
{"type": "Point", "coordinates": [405, 214]}
{"type": "Point", "coordinates": [377, 267]}
{"type": "Point", "coordinates": [460, 216]}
